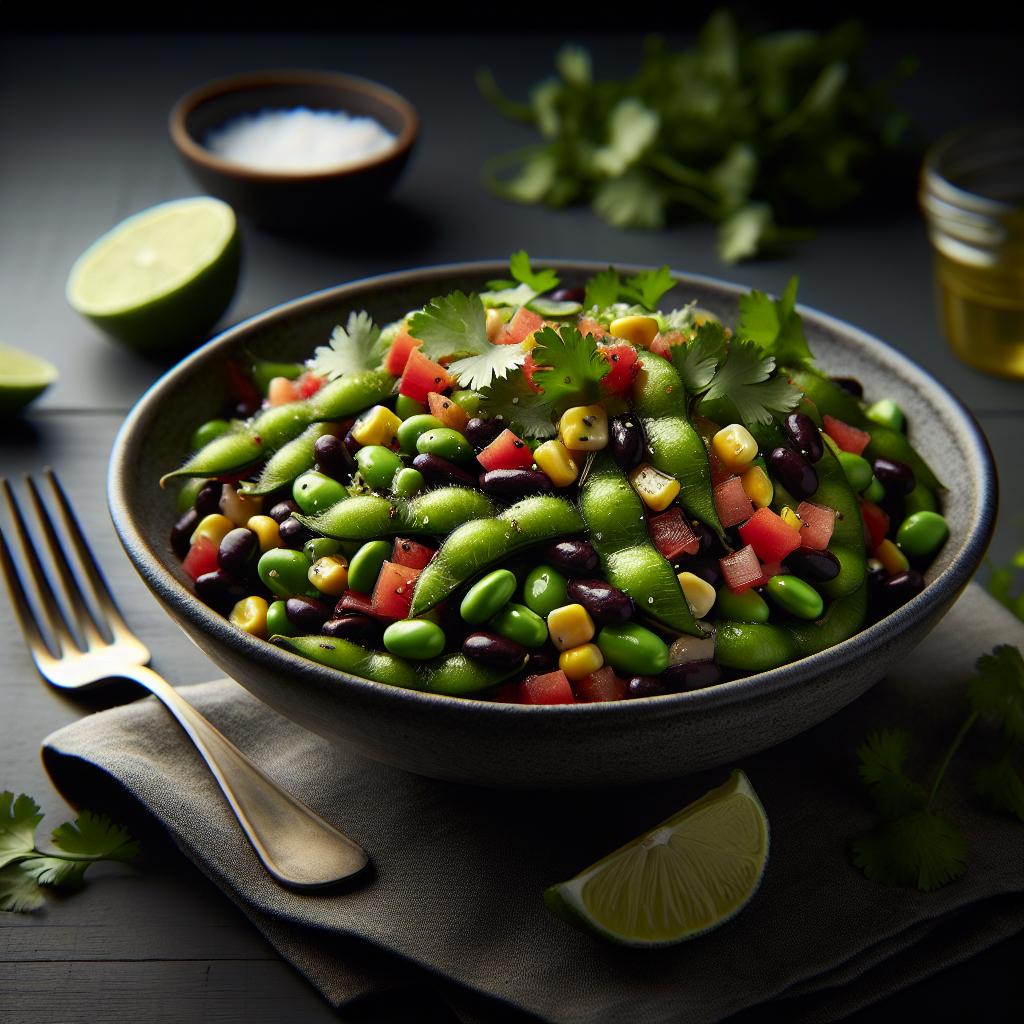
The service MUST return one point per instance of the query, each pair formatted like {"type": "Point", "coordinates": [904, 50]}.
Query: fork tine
{"type": "Point", "coordinates": [20, 601]}
{"type": "Point", "coordinates": [73, 588]}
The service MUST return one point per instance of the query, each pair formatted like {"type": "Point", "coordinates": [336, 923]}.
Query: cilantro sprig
{"type": "Point", "coordinates": [916, 844]}
{"type": "Point", "coordinates": [645, 289]}
{"type": "Point", "coordinates": [25, 869]}
{"type": "Point", "coordinates": [359, 345]}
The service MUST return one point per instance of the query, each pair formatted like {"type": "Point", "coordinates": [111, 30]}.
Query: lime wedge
{"type": "Point", "coordinates": [161, 278]}
{"type": "Point", "coordinates": [23, 378]}
{"type": "Point", "coordinates": [689, 875]}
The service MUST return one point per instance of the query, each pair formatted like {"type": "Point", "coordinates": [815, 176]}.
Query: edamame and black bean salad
{"type": "Point", "coordinates": [550, 495]}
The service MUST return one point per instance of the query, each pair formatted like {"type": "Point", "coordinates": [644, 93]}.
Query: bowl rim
{"type": "Point", "coordinates": [184, 604]}
{"type": "Point", "coordinates": [193, 150]}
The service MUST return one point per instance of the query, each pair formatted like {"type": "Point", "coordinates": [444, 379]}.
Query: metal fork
{"type": "Point", "coordinates": [296, 845]}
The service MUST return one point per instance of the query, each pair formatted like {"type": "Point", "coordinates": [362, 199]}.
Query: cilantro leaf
{"type": "Point", "coordinates": [357, 346]}
{"type": "Point", "coordinates": [539, 281]}
{"type": "Point", "coordinates": [648, 286]}
{"type": "Point", "coordinates": [1001, 786]}
{"type": "Point", "coordinates": [920, 849]}
{"type": "Point", "coordinates": [451, 325]}
{"type": "Point", "coordinates": [19, 892]}
{"type": "Point", "coordinates": [632, 128]}
{"type": "Point", "coordinates": [602, 289]}
{"type": "Point", "coordinates": [477, 372]}
{"type": "Point", "coordinates": [571, 368]}
{"type": "Point", "coordinates": [95, 835]}
{"type": "Point", "coordinates": [745, 378]}
{"type": "Point", "coordinates": [697, 360]}
{"type": "Point", "coordinates": [882, 757]}
{"type": "Point", "coordinates": [775, 326]}
{"type": "Point", "coordinates": [512, 399]}
{"type": "Point", "coordinates": [634, 200]}
{"type": "Point", "coordinates": [997, 689]}
{"type": "Point", "coordinates": [19, 818]}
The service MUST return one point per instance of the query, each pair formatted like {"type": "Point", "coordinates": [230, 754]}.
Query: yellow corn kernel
{"type": "Point", "coordinates": [529, 343]}
{"type": "Point", "coordinates": [329, 575]}
{"type": "Point", "coordinates": [213, 527]}
{"type": "Point", "coordinates": [266, 530]}
{"type": "Point", "coordinates": [790, 518]}
{"type": "Point", "coordinates": [657, 490]}
{"type": "Point", "coordinates": [493, 322]}
{"type": "Point", "coordinates": [893, 560]}
{"type": "Point", "coordinates": [584, 428]}
{"type": "Point", "coordinates": [735, 446]}
{"type": "Point", "coordinates": [376, 426]}
{"type": "Point", "coordinates": [757, 487]}
{"type": "Point", "coordinates": [554, 459]}
{"type": "Point", "coordinates": [250, 615]}
{"type": "Point", "coordinates": [699, 594]}
{"type": "Point", "coordinates": [638, 330]}
{"type": "Point", "coordinates": [578, 662]}
{"type": "Point", "coordinates": [570, 626]}
{"type": "Point", "coordinates": [239, 508]}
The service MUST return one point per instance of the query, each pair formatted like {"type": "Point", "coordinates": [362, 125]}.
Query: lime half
{"type": "Point", "coordinates": [689, 875]}
{"type": "Point", "coordinates": [161, 278]}
{"type": "Point", "coordinates": [23, 378]}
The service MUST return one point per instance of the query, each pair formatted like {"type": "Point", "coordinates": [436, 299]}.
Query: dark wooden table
{"type": "Point", "coordinates": [82, 121]}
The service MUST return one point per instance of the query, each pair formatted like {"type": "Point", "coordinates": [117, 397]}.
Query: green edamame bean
{"type": "Point", "coordinates": [418, 639]}
{"type": "Point", "coordinates": [887, 414]}
{"type": "Point", "coordinates": [633, 650]}
{"type": "Point", "coordinates": [544, 590]}
{"type": "Point", "coordinates": [411, 429]}
{"type": "Point", "coordinates": [265, 370]}
{"type": "Point", "coordinates": [278, 623]}
{"type": "Point", "coordinates": [320, 547]}
{"type": "Point", "coordinates": [858, 470]}
{"type": "Point", "coordinates": [407, 482]}
{"type": "Point", "coordinates": [752, 647]}
{"type": "Point", "coordinates": [875, 491]}
{"type": "Point", "coordinates": [284, 572]}
{"type": "Point", "coordinates": [207, 432]}
{"type": "Point", "coordinates": [749, 606]}
{"type": "Point", "coordinates": [922, 534]}
{"type": "Point", "coordinates": [346, 656]}
{"type": "Point", "coordinates": [488, 596]}
{"type": "Point", "coordinates": [841, 620]}
{"type": "Point", "coordinates": [189, 492]}
{"type": "Point", "coordinates": [457, 675]}
{"type": "Point", "coordinates": [365, 565]}
{"type": "Point", "coordinates": [314, 492]}
{"type": "Point", "coordinates": [795, 596]}
{"type": "Point", "coordinates": [920, 499]}
{"type": "Point", "coordinates": [289, 462]}
{"type": "Point", "coordinates": [468, 401]}
{"type": "Point", "coordinates": [516, 622]}
{"type": "Point", "coordinates": [378, 466]}
{"type": "Point", "coordinates": [446, 443]}
{"type": "Point", "coordinates": [406, 407]}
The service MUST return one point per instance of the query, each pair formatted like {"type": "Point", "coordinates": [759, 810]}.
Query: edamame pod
{"type": "Point", "coordinates": [288, 462]}
{"type": "Point", "coordinates": [476, 545]}
{"type": "Point", "coordinates": [618, 531]}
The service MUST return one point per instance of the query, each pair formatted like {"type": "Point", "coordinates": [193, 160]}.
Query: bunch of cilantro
{"type": "Point", "coordinates": [762, 134]}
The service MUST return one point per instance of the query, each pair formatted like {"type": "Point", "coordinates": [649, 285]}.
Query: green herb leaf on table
{"type": "Point", "coordinates": [356, 346]}
{"type": "Point", "coordinates": [514, 401]}
{"type": "Point", "coordinates": [997, 690]}
{"type": "Point", "coordinates": [571, 368]}
{"type": "Point", "coordinates": [1000, 784]}
{"type": "Point", "coordinates": [920, 849]}
{"type": "Point", "coordinates": [19, 891]}
{"type": "Point", "coordinates": [745, 378]}
{"type": "Point", "coordinates": [883, 759]}
{"type": "Point", "coordinates": [451, 325]}
{"type": "Point", "coordinates": [498, 361]}
{"type": "Point", "coordinates": [18, 821]}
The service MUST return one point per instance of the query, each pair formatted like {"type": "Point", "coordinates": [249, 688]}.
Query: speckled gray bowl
{"type": "Point", "coordinates": [583, 745]}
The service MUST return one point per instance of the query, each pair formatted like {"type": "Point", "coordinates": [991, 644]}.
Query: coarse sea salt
{"type": "Point", "coordinates": [299, 140]}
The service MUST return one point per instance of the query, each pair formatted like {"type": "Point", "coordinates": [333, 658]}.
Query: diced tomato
{"type": "Point", "coordinates": [742, 570]}
{"type": "Point", "coordinates": [201, 558]}
{"type": "Point", "coordinates": [731, 502]}
{"type": "Point", "coordinates": [392, 595]}
{"type": "Point", "coordinates": [507, 693]}
{"type": "Point", "coordinates": [850, 439]}
{"type": "Point", "coordinates": [450, 413]}
{"type": "Point", "coordinates": [672, 535]}
{"type": "Point", "coordinates": [817, 524]}
{"type": "Point", "coordinates": [664, 343]}
{"type": "Point", "coordinates": [281, 391]}
{"type": "Point", "coordinates": [771, 537]}
{"type": "Point", "coordinates": [876, 522]}
{"type": "Point", "coordinates": [411, 553]}
{"type": "Point", "coordinates": [353, 601]}
{"type": "Point", "coordinates": [602, 685]}
{"type": "Point", "coordinates": [309, 384]}
{"type": "Point", "coordinates": [770, 569]}
{"type": "Point", "coordinates": [398, 354]}
{"type": "Point", "coordinates": [530, 367]}
{"type": "Point", "coordinates": [552, 688]}
{"type": "Point", "coordinates": [588, 325]}
{"type": "Point", "coordinates": [625, 365]}
{"type": "Point", "coordinates": [506, 451]}
{"type": "Point", "coordinates": [522, 324]}
{"type": "Point", "coordinates": [423, 375]}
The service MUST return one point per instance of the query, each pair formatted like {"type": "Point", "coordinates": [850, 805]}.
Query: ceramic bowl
{"type": "Point", "coordinates": [297, 201]}
{"type": "Point", "coordinates": [585, 745]}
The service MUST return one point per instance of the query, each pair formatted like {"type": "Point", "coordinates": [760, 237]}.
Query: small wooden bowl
{"type": "Point", "coordinates": [293, 200]}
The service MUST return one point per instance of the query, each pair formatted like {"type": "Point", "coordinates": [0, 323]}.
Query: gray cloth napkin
{"type": "Point", "coordinates": [456, 894]}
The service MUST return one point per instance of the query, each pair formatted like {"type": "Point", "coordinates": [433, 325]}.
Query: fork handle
{"type": "Point", "coordinates": [296, 845]}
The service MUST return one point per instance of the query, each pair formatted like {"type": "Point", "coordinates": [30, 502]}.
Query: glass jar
{"type": "Point", "coordinates": [972, 194]}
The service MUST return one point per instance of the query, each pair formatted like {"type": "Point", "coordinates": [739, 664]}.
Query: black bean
{"type": "Point", "coordinates": [359, 629]}
{"type": "Point", "coordinates": [491, 649]}
{"type": "Point", "coordinates": [436, 470]}
{"type": "Point", "coordinates": [795, 473]}
{"type": "Point", "coordinates": [645, 686]}
{"type": "Point", "coordinates": [307, 614]}
{"type": "Point", "coordinates": [283, 510]}
{"type": "Point", "coordinates": [812, 566]}
{"type": "Point", "coordinates": [896, 477]}
{"type": "Point", "coordinates": [238, 551]}
{"type": "Point", "coordinates": [568, 295]}
{"type": "Point", "coordinates": [899, 589]}
{"type": "Point", "coordinates": [333, 458]}
{"type": "Point", "coordinates": [805, 434]}
{"type": "Point", "coordinates": [181, 534]}
{"type": "Point", "coordinates": [541, 662]}
{"type": "Point", "coordinates": [694, 675]}
{"type": "Point", "coordinates": [850, 385]}
{"type": "Point", "coordinates": [219, 590]}
{"type": "Point", "coordinates": [626, 441]}
{"type": "Point", "coordinates": [705, 537]}
{"type": "Point", "coordinates": [515, 483]}
{"type": "Point", "coordinates": [573, 557]}
{"type": "Point", "coordinates": [350, 444]}
{"type": "Point", "coordinates": [480, 432]}
{"type": "Point", "coordinates": [207, 501]}
{"type": "Point", "coordinates": [707, 567]}
{"type": "Point", "coordinates": [242, 410]}
{"type": "Point", "coordinates": [293, 533]}
{"type": "Point", "coordinates": [605, 603]}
